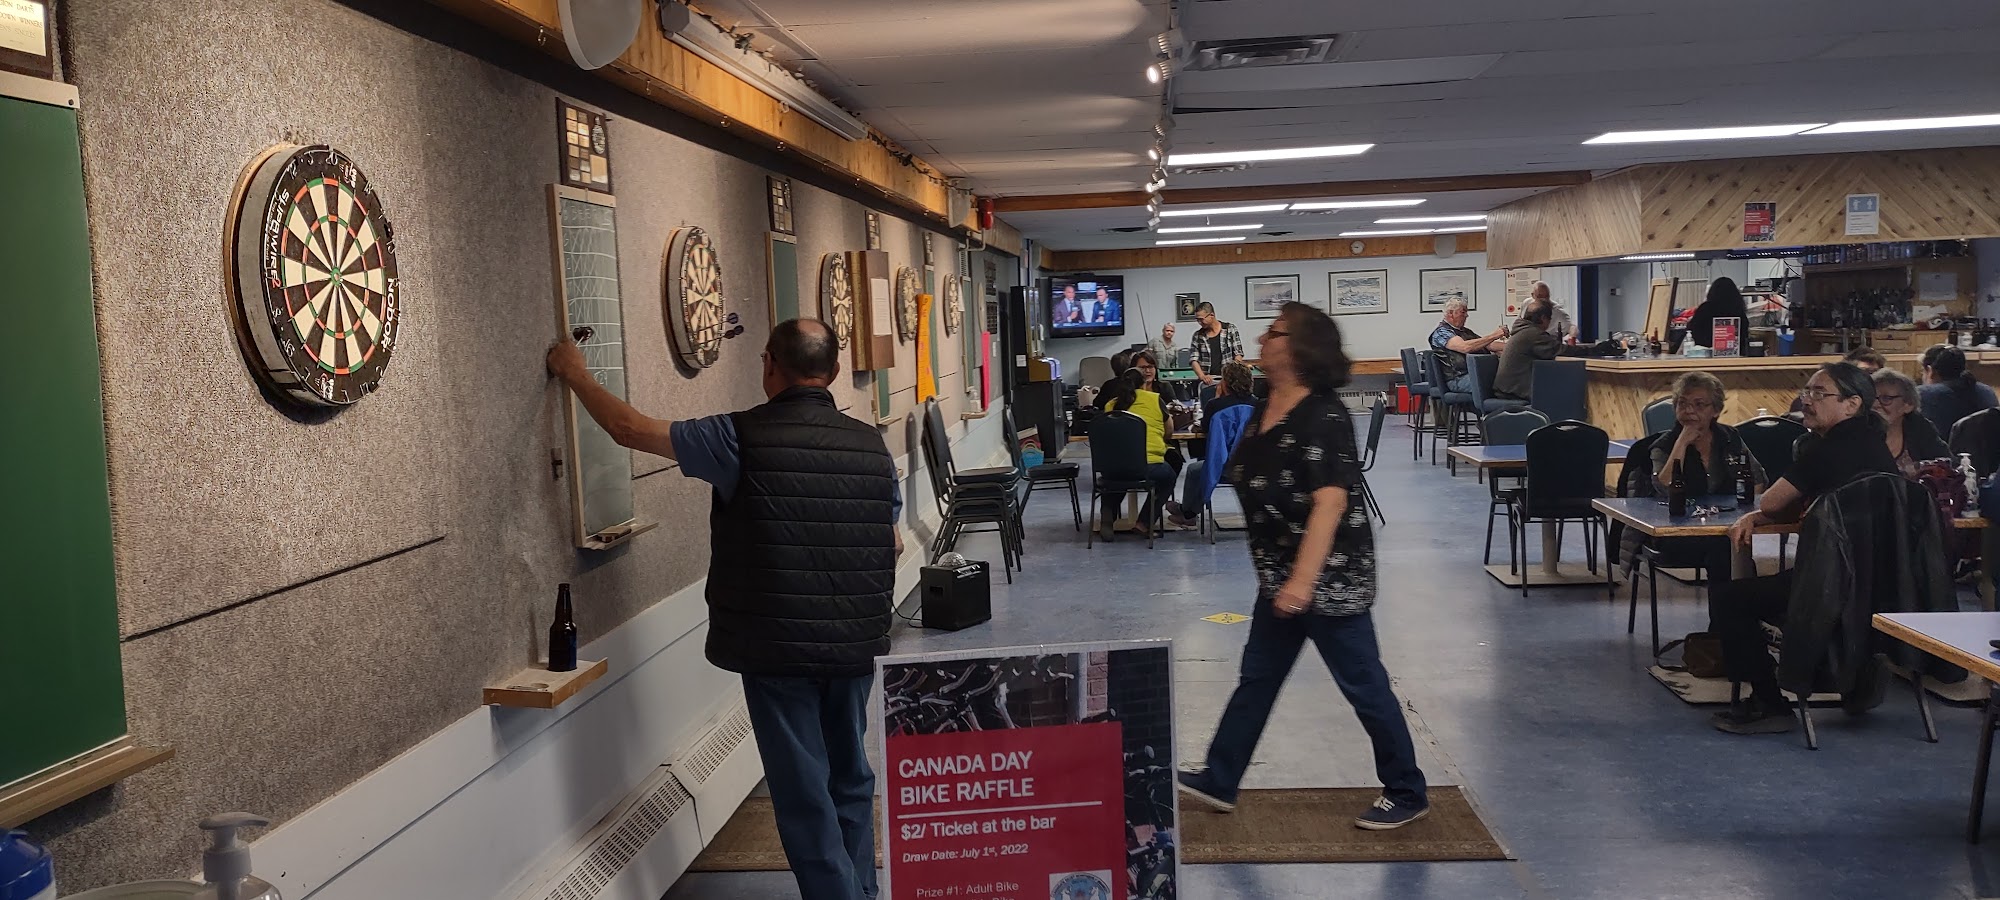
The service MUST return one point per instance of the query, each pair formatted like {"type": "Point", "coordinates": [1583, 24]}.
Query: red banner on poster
{"type": "Point", "coordinates": [1017, 814]}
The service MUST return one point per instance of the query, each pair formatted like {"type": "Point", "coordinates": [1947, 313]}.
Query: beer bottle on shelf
{"type": "Point", "coordinates": [562, 633]}
{"type": "Point", "coordinates": [1677, 493]}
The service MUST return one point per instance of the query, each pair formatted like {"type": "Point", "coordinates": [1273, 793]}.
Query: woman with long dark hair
{"type": "Point", "coordinates": [1295, 471]}
{"type": "Point", "coordinates": [1949, 392]}
{"type": "Point", "coordinates": [1126, 393]}
{"type": "Point", "coordinates": [1724, 301]}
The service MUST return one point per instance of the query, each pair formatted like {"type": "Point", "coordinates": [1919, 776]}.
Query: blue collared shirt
{"type": "Point", "coordinates": [706, 448]}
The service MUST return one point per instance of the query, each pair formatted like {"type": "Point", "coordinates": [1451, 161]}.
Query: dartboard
{"type": "Point", "coordinates": [836, 296]}
{"type": "Point", "coordinates": [954, 313]}
{"type": "Point", "coordinates": [907, 289]}
{"type": "Point", "coordinates": [693, 281]}
{"type": "Point", "coordinates": [314, 271]}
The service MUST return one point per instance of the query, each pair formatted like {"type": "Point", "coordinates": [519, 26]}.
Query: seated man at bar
{"type": "Point", "coordinates": [1534, 338]}
{"type": "Point", "coordinates": [1452, 341]}
{"type": "Point", "coordinates": [1840, 410]}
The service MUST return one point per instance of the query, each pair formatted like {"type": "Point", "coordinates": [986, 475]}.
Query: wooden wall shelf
{"type": "Point", "coordinates": [38, 795]}
{"type": "Point", "coordinates": [608, 540]}
{"type": "Point", "coordinates": [539, 688]}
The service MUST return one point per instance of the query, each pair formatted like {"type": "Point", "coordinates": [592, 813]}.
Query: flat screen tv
{"type": "Point", "coordinates": [1086, 305]}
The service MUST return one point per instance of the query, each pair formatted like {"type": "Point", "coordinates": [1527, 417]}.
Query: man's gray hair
{"type": "Point", "coordinates": [1454, 305]}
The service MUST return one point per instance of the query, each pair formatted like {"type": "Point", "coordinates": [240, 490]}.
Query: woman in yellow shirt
{"type": "Point", "coordinates": [1124, 394]}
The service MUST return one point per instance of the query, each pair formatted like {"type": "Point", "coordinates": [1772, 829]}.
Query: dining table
{"type": "Point", "coordinates": [1971, 641]}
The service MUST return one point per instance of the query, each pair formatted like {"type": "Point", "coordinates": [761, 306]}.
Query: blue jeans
{"type": "Point", "coordinates": [1347, 643]}
{"type": "Point", "coordinates": [810, 736]}
{"type": "Point", "coordinates": [1162, 477]}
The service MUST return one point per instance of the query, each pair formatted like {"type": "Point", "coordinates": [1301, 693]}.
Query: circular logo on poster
{"type": "Point", "coordinates": [313, 268]}
{"type": "Point", "coordinates": [1081, 886]}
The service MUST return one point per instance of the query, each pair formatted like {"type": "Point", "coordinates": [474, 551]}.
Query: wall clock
{"type": "Point", "coordinates": [313, 266]}
{"type": "Point", "coordinates": [694, 304]}
{"type": "Point", "coordinates": [1356, 248]}
{"type": "Point", "coordinates": [954, 308]}
{"type": "Point", "coordinates": [836, 296]}
{"type": "Point", "coordinates": [908, 286]}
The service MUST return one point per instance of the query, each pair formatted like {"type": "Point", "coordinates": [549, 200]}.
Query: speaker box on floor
{"type": "Point", "coordinates": [955, 597]}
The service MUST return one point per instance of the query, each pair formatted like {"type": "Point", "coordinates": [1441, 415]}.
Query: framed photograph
{"type": "Point", "coordinates": [1184, 305]}
{"type": "Point", "coordinates": [1264, 295]}
{"type": "Point", "coordinates": [585, 144]}
{"type": "Point", "coordinates": [781, 204]}
{"type": "Point", "coordinates": [1436, 287]}
{"type": "Point", "coordinates": [1349, 293]}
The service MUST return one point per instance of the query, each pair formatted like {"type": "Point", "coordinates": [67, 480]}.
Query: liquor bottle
{"type": "Point", "coordinates": [1677, 493]}
{"type": "Point", "coordinates": [562, 633]}
{"type": "Point", "coordinates": [1746, 487]}
{"type": "Point", "coordinates": [1971, 476]}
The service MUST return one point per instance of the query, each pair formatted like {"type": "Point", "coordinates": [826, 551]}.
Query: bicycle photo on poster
{"type": "Point", "coordinates": [1051, 766]}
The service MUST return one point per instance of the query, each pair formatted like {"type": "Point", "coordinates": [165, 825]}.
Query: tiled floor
{"type": "Point", "coordinates": [1600, 781]}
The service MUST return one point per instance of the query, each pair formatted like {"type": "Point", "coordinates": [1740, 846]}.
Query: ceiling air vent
{"type": "Point", "coordinates": [1130, 230]}
{"type": "Point", "coordinates": [1274, 233]}
{"type": "Point", "coordinates": [1244, 53]}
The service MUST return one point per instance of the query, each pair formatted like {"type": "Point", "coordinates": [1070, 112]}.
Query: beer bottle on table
{"type": "Point", "coordinates": [562, 633]}
{"type": "Point", "coordinates": [1677, 493]}
{"type": "Point", "coordinates": [1746, 487]}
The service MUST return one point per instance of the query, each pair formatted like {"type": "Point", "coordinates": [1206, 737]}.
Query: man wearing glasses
{"type": "Point", "coordinates": [1839, 405]}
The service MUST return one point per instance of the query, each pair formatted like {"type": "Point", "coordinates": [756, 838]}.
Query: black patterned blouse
{"type": "Point", "coordinates": [1275, 475]}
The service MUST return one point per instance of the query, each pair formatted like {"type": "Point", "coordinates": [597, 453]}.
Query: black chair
{"type": "Point", "coordinates": [1055, 472]}
{"type": "Point", "coordinates": [1452, 406]}
{"type": "Point", "coordinates": [1559, 389]}
{"type": "Point", "coordinates": [1118, 467]}
{"type": "Point", "coordinates": [1658, 415]}
{"type": "Point", "coordinates": [1565, 473]}
{"type": "Point", "coordinates": [1377, 411]}
{"type": "Point", "coordinates": [989, 496]}
{"type": "Point", "coordinates": [1420, 391]}
{"type": "Point", "coordinates": [1979, 435]}
{"type": "Point", "coordinates": [1485, 367]}
{"type": "Point", "coordinates": [1655, 555]}
{"type": "Point", "coordinates": [1432, 415]}
{"type": "Point", "coordinates": [1507, 428]}
{"type": "Point", "coordinates": [1770, 439]}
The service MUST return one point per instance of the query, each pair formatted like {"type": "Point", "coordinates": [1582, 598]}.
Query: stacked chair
{"type": "Point", "coordinates": [967, 497]}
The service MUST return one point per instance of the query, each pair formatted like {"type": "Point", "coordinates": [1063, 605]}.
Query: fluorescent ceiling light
{"type": "Point", "coordinates": [1356, 204]}
{"type": "Point", "coordinates": [1650, 257]}
{"type": "Point", "coordinates": [1209, 240]}
{"type": "Point", "coordinates": [1237, 156]}
{"type": "Point", "coordinates": [1386, 232]}
{"type": "Point", "coordinates": [1223, 210]}
{"type": "Point", "coordinates": [1193, 229]}
{"type": "Point", "coordinates": [1458, 229]}
{"type": "Point", "coordinates": [1907, 124]}
{"type": "Point", "coordinates": [1702, 134]}
{"type": "Point", "coordinates": [1419, 220]}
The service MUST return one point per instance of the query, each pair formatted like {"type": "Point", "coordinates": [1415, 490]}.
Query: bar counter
{"type": "Point", "coordinates": [1618, 389]}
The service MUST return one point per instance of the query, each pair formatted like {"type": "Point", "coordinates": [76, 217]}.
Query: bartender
{"type": "Point", "coordinates": [1724, 302]}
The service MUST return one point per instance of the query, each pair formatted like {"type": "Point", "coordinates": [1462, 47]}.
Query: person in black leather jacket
{"type": "Point", "coordinates": [1840, 409]}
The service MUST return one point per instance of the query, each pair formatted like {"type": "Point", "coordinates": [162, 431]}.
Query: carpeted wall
{"type": "Point", "coordinates": [302, 601]}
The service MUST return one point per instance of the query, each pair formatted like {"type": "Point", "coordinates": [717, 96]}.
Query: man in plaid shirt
{"type": "Point", "coordinates": [1216, 342]}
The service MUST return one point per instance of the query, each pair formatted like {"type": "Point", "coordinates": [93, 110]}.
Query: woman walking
{"type": "Point", "coordinates": [1295, 471]}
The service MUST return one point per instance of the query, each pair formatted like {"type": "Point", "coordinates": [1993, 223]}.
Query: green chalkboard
{"type": "Point", "coordinates": [65, 692]}
{"type": "Point", "coordinates": [782, 276]}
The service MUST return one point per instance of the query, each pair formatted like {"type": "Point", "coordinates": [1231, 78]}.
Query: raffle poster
{"type": "Point", "coordinates": [1029, 773]}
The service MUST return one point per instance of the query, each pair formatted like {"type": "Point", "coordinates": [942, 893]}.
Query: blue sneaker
{"type": "Point", "coordinates": [1196, 785]}
{"type": "Point", "coordinates": [1387, 814]}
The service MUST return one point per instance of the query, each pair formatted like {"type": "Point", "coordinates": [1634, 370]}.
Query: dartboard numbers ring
{"type": "Point", "coordinates": [836, 296]}
{"type": "Point", "coordinates": [907, 289]}
{"type": "Point", "coordinates": [313, 268]}
{"type": "Point", "coordinates": [954, 312]}
{"type": "Point", "coordinates": [694, 307]}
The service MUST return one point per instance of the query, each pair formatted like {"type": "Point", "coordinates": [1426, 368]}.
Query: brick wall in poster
{"type": "Point", "coordinates": [1139, 687]}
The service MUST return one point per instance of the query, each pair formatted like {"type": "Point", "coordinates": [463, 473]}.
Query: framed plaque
{"type": "Point", "coordinates": [26, 38]}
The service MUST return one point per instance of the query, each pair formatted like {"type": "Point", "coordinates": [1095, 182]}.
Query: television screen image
{"type": "Point", "coordinates": [1086, 305]}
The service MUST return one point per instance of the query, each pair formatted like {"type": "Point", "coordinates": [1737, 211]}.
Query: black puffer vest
{"type": "Point", "coordinates": [803, 563]}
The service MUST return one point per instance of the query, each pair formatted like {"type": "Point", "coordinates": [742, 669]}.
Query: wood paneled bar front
{"type": "Point", "coordinates": [1618, 390]}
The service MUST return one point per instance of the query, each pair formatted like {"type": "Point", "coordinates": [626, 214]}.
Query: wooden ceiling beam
{"type": "Point", "coordinates": [1266, 192]}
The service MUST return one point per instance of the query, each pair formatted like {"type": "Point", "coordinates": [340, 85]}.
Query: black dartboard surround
{"type": "Point", "coordinates": [313, 269]}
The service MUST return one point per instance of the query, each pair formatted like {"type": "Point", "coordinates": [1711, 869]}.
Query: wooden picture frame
{"type": "Point", "coordinates": [781, 205]}
{"type": "Point", "coordinates": [1264, 295]}
{"type": "Point", "coordinates": [583, 147]}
